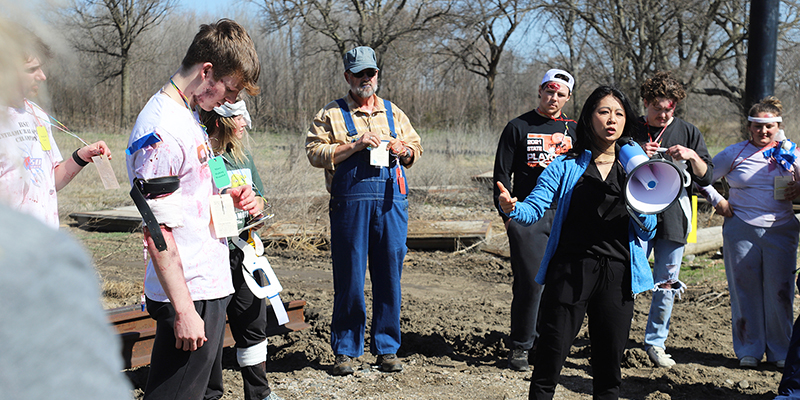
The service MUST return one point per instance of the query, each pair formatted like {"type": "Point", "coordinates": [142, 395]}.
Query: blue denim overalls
{"type": "Point", "coordinates": [369, 225]}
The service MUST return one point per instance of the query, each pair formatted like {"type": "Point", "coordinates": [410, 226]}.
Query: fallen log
{"type": "Point", "coordinates": [137, 330]}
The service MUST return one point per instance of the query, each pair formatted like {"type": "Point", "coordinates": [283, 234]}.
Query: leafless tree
{"type": "Point", "coordinates": [704, 42]}
{"type": "Point", "coordinates": [349, 23]}
{"type": "Point", "coordinates": [110, 29]}
{"type": "Point", "coordinates": [476, 35]}
{"type": "Point", "coordinates": [567, 28]}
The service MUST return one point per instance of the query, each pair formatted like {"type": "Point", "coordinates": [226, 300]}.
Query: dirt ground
{"type": "Point", "coordinates": [455, 320]}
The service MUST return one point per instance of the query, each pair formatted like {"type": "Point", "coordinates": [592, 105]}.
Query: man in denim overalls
{"type": "Point", "coordinates": [364, 143]}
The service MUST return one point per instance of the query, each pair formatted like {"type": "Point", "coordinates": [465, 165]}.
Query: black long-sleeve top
{"type": "Point", "coordinates": [527, 145]}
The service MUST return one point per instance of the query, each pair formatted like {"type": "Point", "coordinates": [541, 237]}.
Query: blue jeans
{"type": "Point", "coordinates": [666, 269]}
{"type": "Point", "coordinates": [759, 264]}
{"type": "Point", "coordinates": [369, 226]}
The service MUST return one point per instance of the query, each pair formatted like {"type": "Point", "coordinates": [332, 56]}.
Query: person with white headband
{"type": "Point", "coordinates": [247, 313]}
{"type": "Point", "coordinates": [760, 234]}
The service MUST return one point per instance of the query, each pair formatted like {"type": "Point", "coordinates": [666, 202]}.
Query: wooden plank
{"type": "Point", "coordinates": [121, 219]}
{"type": "Point", "coordinates": [444, 235]}
{"type": "Point", "coordinates": [137, 330]}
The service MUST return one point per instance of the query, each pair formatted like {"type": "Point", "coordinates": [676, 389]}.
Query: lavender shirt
{"type": "Point", "coordinates": [752, 180]}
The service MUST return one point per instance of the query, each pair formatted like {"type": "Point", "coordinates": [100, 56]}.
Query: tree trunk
{"type": "Point", "coordinates": [125, 89]}
{"type": "Point", "coordinates": [490, 98]}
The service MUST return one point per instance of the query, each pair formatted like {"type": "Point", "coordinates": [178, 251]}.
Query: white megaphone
{"type": "Point", "coordinates": [652, 184]}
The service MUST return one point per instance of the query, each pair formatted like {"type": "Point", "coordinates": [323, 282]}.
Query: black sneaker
{"type": "Point", "coordinates": [518, 360]}
{"type": "Point", "coordinates": [342, 366]}
{"type": "Point", "coordinates": [389, 363]}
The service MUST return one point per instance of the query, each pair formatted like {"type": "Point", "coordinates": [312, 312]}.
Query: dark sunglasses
{"type": "Point", "coordinates": [368, 72]}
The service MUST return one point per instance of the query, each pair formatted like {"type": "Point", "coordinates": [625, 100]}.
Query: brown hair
{"type": "Point", "coordinates": [769, 104]}
{"type": "Point", "coordinates": [662, 84]}
{"type": "Point", "coordinates": [228, 47]}
{"type": "Point", "coordinates": [221, 131]}
{"type": "Point", "coordinates": [36, 47]}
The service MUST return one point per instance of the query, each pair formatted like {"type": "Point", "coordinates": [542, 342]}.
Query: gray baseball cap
{"type": "Point", "coordinates": [360, 59]}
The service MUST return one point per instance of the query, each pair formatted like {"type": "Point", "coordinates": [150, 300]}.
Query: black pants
{"type": "Point", "coordinates": [247, 316]}
{"type": "Point", "coordinates": [527, 245]}
{"type": "Point", "coordinates": [178, 374]}
{"type": "Point", "coordinates": [600, 288]}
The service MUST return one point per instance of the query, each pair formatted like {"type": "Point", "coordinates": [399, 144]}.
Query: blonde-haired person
{"type": "Point", "coordinates": [760, 234]}
{"type": "Point", "coordinates": [247, 314]}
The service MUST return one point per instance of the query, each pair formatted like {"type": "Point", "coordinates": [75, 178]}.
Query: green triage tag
{"type": "Point", "coordinates": [44, 137]}
{"type": "Point", "coordinates": [219, 173]}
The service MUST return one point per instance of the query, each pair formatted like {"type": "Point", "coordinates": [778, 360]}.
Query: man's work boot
{"type": "Point", "coordinates": [518, 360]}
{"type": "Point", "coordinates": [389, 363]}
{"type": "Point", "coordinates": [342, 366]}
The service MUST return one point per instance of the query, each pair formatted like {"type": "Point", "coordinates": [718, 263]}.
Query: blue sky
{"type": "Point", "coordinates": [212, 7]}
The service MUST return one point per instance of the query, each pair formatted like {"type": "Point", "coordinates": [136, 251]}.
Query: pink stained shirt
{"type": "Point", "coordinates": [204, 257]}
{"type": "Point", "coordinates": [27, 171]}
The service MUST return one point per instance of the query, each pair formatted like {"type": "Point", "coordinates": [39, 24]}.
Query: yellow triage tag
{"type": "Point", "coordinates": [693, 234]}
{"type": "Point", "coordinates": [44, 137]}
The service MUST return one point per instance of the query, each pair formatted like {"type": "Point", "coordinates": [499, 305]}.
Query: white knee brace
{"type": "Point", "coordinates": [253, 355]}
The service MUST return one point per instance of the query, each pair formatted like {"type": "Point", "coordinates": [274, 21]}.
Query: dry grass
{"type": "Point", "coordinates": [295, 189]}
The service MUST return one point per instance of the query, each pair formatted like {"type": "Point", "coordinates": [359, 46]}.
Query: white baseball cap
{"type": "Point", "coordinates": [550, 76]}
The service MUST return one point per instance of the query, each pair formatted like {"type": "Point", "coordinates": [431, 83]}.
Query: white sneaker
{"type": "Point", "coordinates": [748, 362]}
{"type": "Point", "coordinates": [659, 357]}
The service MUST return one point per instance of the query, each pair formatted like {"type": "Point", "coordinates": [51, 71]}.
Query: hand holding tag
{"type": "Point", "coordinates": [379, 156]}
{"type": "Point", "coordinates": [223, 216]}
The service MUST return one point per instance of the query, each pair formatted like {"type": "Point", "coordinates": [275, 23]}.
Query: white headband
{"type": "Point", "coordinates": [228, 110]}
{"type": "Point", "coordinates": [764, 120]}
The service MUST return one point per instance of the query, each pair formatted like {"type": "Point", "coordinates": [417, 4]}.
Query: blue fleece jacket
{"type": "Point", "coordinates": [557, 181]}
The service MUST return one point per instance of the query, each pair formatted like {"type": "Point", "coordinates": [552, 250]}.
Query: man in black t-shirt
{"type": "Point", "coordinates": [527, 145]}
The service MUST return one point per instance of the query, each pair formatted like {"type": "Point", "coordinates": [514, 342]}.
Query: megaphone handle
{"type": "Point", "coordinates": [636, 218]}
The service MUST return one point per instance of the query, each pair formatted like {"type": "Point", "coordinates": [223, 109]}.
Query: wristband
{"type": "Point", "coordinates": [78, 160]}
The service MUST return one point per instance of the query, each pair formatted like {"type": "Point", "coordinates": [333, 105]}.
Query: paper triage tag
{"type": "Point", "coordinates": [379, 156]}
{"type": "Point", "coordinates": [219, 173]}
{"type": "Point", "coordinates": [779, 188]}
{"type": "Point", "coordinates": [44, 137]}
{"type": "Point", "coordinates": [223, 216]}
{"type": "Point", "coordinates": [105, 171]}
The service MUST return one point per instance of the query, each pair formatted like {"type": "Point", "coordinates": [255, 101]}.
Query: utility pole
{"type": "Point", "coordinates": [762, 48]}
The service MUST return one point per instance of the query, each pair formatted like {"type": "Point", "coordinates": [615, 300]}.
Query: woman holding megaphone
{"type": "Point", "coordinates": [593, 263]}
{"type": "Point", "coordinates": [760, 234]}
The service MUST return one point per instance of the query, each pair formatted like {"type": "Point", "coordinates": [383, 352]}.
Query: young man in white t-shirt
{"type": "Point", "coordinates": [31, 167]}
{"type": "Point", "coordinates": [188, 285]}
